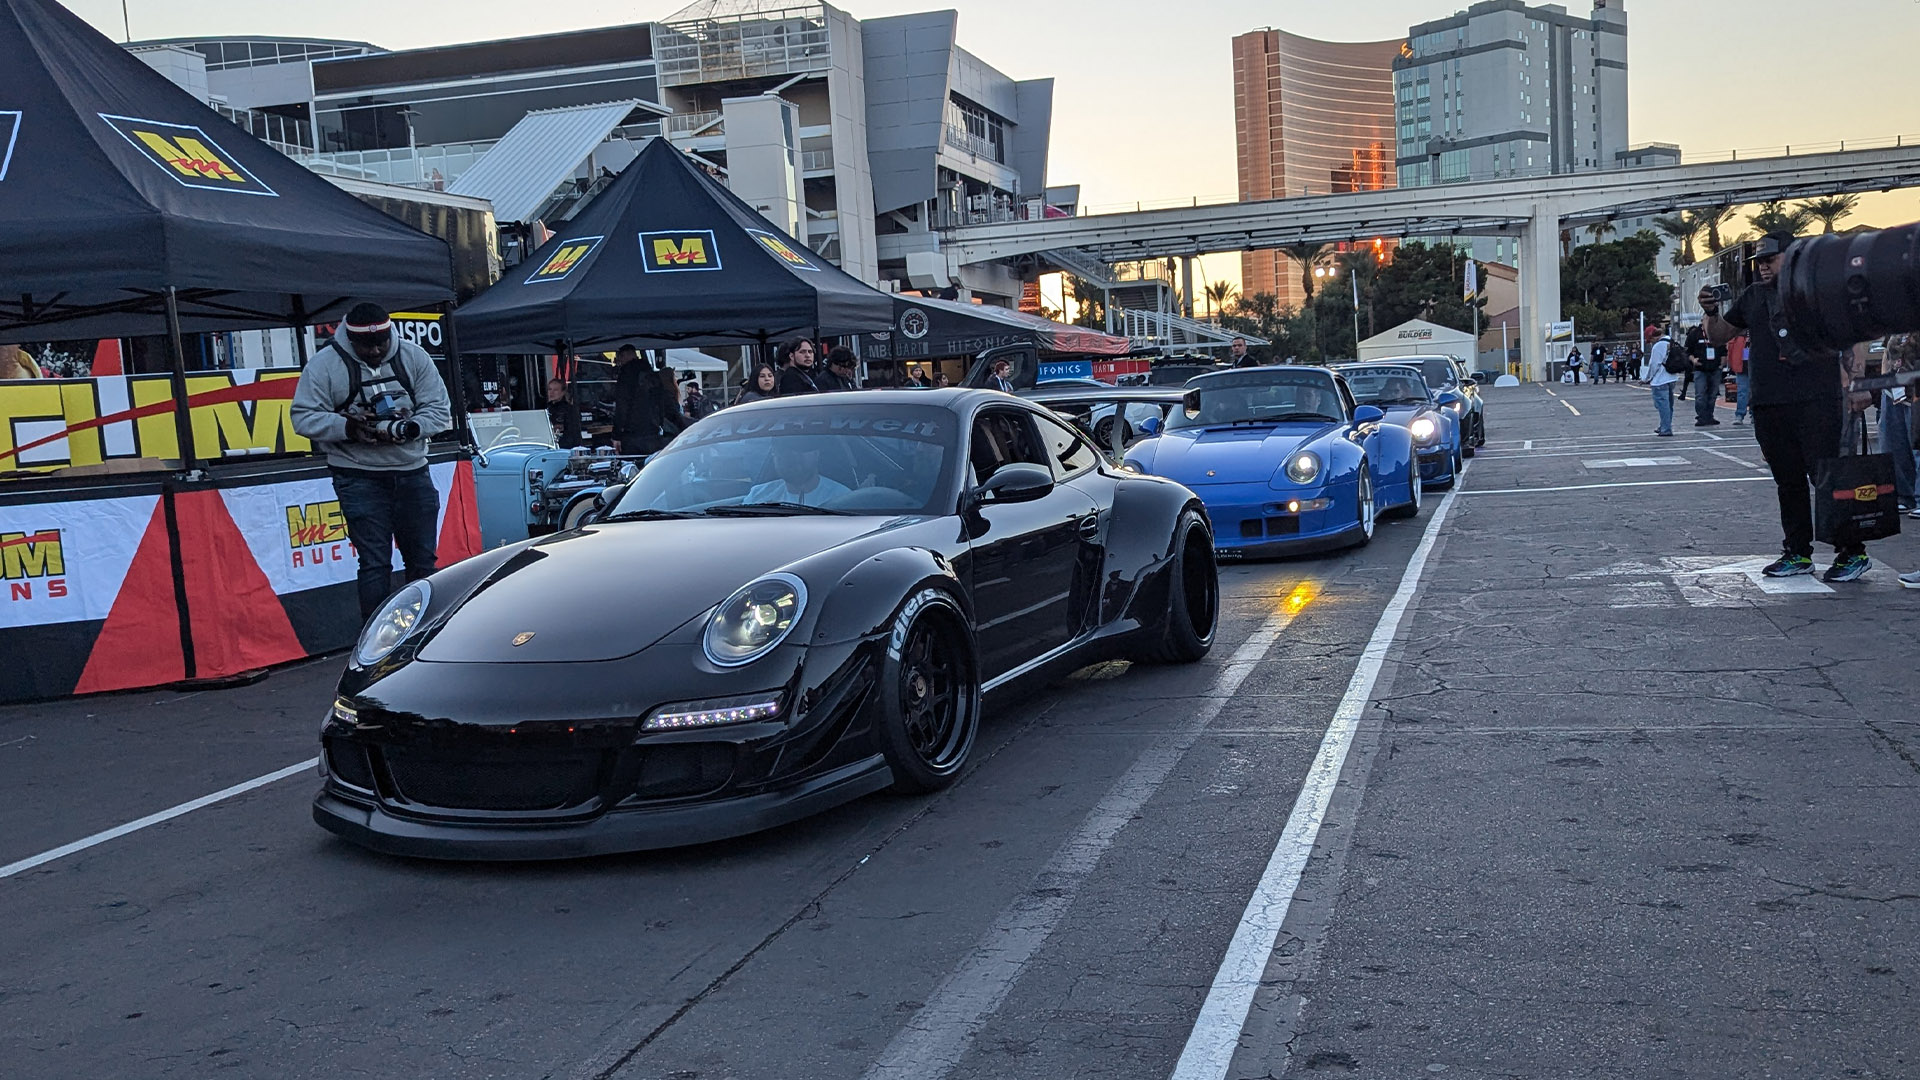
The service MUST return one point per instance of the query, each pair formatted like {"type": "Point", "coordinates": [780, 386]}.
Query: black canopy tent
{"type": "Point", "coordinates": [128, 208]}
{"type": "Point", "coordinates": [666, 256]}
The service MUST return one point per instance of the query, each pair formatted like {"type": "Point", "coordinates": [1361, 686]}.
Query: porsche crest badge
{"type": "Point", "coordinates": [522, 638]}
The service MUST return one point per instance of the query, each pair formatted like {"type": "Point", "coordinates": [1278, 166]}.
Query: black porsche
{"type": "Point", "coordinates": [797, 603]}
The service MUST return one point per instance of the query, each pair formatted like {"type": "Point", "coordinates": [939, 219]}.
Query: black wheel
{"type": "Point", "coordinates": [929, 694]}
{"type": "Point", "coordinates": [1466, 448]}
{"type": "Point", "coordinates": [1363, 501]}
{"type": "Point", "coordinates": [1412, 506]}
{"type": "Point", "coordinates": [1480, 429]}
{"type": "Point", "coordinates": [1103, 433]}
{"type": "Point", "coordinates": [1193, 589]}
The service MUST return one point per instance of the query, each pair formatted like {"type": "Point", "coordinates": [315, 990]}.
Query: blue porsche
{"type": "Point", "coordinates": [1285, 460]}
{"type": "Point", "coordinates": [1401, 391]}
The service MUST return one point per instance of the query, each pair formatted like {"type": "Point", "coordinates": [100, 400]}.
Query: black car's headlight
{"type": "Point", "coordinates": [1424, 429]}
{"type": "Point", "coordinates": [1304, 467]}
{"type": "Point", "coordinates": [396, 620]}
{"type": "Point", "coordinates": [754, 619]}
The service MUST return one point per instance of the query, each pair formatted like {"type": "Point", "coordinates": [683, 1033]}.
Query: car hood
{"type": "Point", "coordinates": [608, 591]}
{"type": "Point", "coordinates": [1197, 457]}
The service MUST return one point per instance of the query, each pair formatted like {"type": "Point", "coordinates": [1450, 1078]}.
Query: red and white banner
{"type": "Point", "coordinates": [298, 535]}
{"type": "Point", "coordinates": [65, 561]}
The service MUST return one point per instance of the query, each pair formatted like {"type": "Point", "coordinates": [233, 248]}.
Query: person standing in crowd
{"type": "Point", "coordinates": [1237, 354]}
{"type": "Point", "coordinates": [1600, 366]}
{"type": "Point", "coordinates": [1637, 360]}
{"type": "Point", "coordinates": [1742, 383]}
{"type": "Point", "coordinates": [839, 374]}
{"type": "Point", "coordinates": [693, 400]}
{"type": "Point", "coordinates": [940, 380]}
{"type": "Point", "coordinates": [764, 384]}
{"type": "Point", "coordinates": [1797, 409]}
{"type": "Point", "coordinates": [1896, 419]}
{"type": "Point", "coordinates": [796, 368]}
{"type": "Point", "coordinates": [371, 400]}
{"type": "Point", "coordinates": [1704, 357]}
{"type": "Point", "coordinates": [1662, 380]}
{"type": "Point", "coordinates": [1002, 379]}
{"type": "Point", "coordinates": [563, 414]}
{"type": "Point", "coordinates": [916, 378]}
{"type": "Point", "coordinates": [1573, 364]}
{"type": "Point", "coordinates": [646, 405]}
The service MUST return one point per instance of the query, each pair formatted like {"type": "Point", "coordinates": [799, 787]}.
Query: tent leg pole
{"type": "Point", "coordinates": [300, 331]}
{"type": "Point", "coordinates": [457, 388]}
{"type": "Point", "coordinates": [182, 418]}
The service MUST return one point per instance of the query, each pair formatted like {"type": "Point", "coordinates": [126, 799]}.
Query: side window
{"type": "Point", "coordinates": [1067, 452]}
{"type": "Point", "coordinates": [1346, 397]}
{"type": "Point", "coordinates": [1001, 437]}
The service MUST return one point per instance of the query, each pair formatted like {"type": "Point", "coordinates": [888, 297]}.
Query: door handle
{"type": "Point", "coordinates": [1090, 526]}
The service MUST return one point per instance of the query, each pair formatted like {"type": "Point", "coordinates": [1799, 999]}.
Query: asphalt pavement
{"type": "Point", "coordinates": [1613, 806]}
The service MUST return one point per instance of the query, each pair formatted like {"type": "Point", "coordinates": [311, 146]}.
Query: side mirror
{"type": "Point", "coordinates": [1368, 414]}
{"type": "Point", "coordinates": [610, 496]}
{"type": "Point", "coordinates": [1150, 426]}
{"type": "Point", "coordinates": [1015, 483]}
{"type": "Point", "coordinates": [1451, 397]}
{"type": "Point", "coordinates": [1471, 380]}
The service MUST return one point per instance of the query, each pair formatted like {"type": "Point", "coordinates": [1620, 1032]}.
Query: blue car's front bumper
{"type": "Point", "coordinates": [1252, 520]}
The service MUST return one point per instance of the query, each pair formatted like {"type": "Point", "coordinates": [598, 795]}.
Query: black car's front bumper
{"type": "Point", "coordinates": [636, 829]}
{"type": "Point", "coordinates": [533, 761]}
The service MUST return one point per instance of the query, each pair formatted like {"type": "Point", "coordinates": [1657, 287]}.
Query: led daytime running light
{"type": "Point", "coordinates": [713, 713]}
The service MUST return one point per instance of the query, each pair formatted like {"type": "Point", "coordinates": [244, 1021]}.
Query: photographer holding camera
{"type": "Point", "coordinates": [371, 401]}
{"type": "Point", "coordinates": [1798, 405]}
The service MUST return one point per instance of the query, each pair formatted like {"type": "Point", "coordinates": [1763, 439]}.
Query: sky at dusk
{"type": "Point", "coordinates": [1143, 105]}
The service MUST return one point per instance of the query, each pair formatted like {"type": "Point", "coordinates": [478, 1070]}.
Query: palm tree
{"type": "Point", "coordinates": [1710, 218]}
{"type": "Point", "coordinates": [1831, 209]}
{"type": "Point", "coordinates": [1599, 230]}
{"type": "Point", "coordinates": [1308, 256]}
{"type": "Point", "coordinates": [1681, 227]}
{"type": "Point", "coordinates": [1775, 216]}
{"type": "Point", "coordinates": [1219, 295]}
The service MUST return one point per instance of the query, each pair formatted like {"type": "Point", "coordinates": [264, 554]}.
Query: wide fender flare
{"type": "Point", "coordinates": [1392, 458]}
{"type": "Point", "coordinates": [1343, 459]}
{"type": "Point", "coordinates": [868, 597]}
{"type": "Point", "coordinates": [1139, 538]}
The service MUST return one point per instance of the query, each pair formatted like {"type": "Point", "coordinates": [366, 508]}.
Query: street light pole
{"type": "Point", "coordinates": [1353, 272]}
{"type": "Point", "coordinates": [126, 23]}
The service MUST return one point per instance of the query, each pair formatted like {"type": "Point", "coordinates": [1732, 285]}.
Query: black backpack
{"type": "Point", "coordinates": [1676, 362]}
{"type": "Point", "coordinates": [355, 380]}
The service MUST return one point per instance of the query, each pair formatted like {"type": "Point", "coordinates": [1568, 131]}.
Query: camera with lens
{"type": "Point", "coordinates": [1845, 288]}
{"type": "Point", "coordinates": [386, 420]}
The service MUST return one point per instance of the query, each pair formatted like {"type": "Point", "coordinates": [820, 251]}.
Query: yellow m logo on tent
{"type": "Point", "coordinates": [190, 156]}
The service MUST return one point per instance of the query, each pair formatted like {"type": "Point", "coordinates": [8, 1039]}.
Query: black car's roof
{"type": "Point", "coordinates": [960, 399]}
{"type": "Point", "coordinates": [1212, 375]}
{"type": "Point", "coordinates": [1355, 364]}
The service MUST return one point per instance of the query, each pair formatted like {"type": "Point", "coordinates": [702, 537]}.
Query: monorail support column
{"type": "Point", "coordinates": [1539, 287]}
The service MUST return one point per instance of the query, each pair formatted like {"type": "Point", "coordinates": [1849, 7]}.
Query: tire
{"type": "Point", "coordinates": [929, 694]}
{"type": "Point", "coordinates": [1411, 509]}
{"type": "Point", "coordinates": [1480, 429]}
{"type": "Point", "coordinates": [582, 509]}
{"type": "Point", "coordinates": [1103, 433]}
{"type": "Point", "coordinates": [1363, 502]}
{"type": "Point", "coordinates": [1193, 595]}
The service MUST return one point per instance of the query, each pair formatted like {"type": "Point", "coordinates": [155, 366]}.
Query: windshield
{"type": "Point", "coordinates": [1261, 396]}
{"type": "Point", "coordinates": [1386, 386]}
{"type": "Point", "coordinates": [850, 459]}
{"type": "Point", "coordinates": [1439, 372]}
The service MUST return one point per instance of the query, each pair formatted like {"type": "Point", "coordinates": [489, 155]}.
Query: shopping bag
{"type": "Point", "coordinates": [1853, 500]}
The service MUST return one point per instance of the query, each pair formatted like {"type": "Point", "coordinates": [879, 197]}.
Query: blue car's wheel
{"type": "Point", "coordinates": [1410, 508]}
{"type": "Point", "coordinates": [1363, 497]}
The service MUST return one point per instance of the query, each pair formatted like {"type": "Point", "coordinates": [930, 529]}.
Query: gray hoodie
{"type": "Point", "coordinates": [322, 395]}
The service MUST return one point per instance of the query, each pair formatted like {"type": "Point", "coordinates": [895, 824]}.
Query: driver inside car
{"type": "Point", "coordinates": [796, 464]}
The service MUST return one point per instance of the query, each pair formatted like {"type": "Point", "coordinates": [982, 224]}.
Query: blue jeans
{"type": "Point", "coordinates": [1706, 394]}
{"type": "Point", "coordinates": [1897, 443]}
{"type": "Point", "coordinates": [1742, 386]}
{"type": "Point", "coordinates": [1663, 403]}
{"type": "Point", "coordinates": [382, 509]}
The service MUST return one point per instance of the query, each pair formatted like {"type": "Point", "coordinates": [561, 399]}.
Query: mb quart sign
{"type": "Point", "coordinates": [1416, 335]}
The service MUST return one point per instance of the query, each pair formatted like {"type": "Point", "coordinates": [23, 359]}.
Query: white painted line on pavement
{"type": "Point", "coordinates": [1632, 462]}
{"type": "Point", "coordinates": [1715, 438]}
{"type": "Point", "coordinates": [1622, 484]}
{"type": "Point", "coordinates": [1528, 446]}
{"type": "Point", "coordinates": [1549, 390]}
{"type": "Point", "coordinates": [1737, 460]}
{"type": "Point", "coordinates": [1570, 407]}
{"type": "Point", "coordinates": [1216, 1034]}
{"type": "Point", "coordinates": [119, 831]}
{"type": "Point", "coordinates": [937, 1036]}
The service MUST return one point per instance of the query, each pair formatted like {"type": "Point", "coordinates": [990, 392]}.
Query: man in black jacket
{"type": "Point", "coordinates": [1797, 402]}
{"type": "Point", "coordinates": [646, 408]}
{"type": "Point", "coordinates": [839, 374]}
{"type": "Point", "coordinates": [1705, 359]}
{"type": "Point", "coordinates": [796, 368]}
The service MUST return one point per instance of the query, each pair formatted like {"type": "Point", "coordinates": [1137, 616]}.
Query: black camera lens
{"type": "Point", "coordinates": [406, 430]}
{"type": "Point", "coordinates": [1846, 288]}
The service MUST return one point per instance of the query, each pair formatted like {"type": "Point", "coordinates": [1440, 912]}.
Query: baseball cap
{"type": "Point", "coordinates": [1774, 243]}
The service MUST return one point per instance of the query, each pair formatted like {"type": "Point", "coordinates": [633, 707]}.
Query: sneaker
{"type": "Point", "coordinates": [1663, 433]}
{"type": "Point", "coordinates": [1739, 421]}
{"type": "Point", "coordinates": [1848, 569]}
{"type": "Point", "coordinates": [1914, 513]}
{"type": "Point", "coordinates": [1710, 423]}
{"type": "Point", "coordinates": [1910, 581]}
{"type": "Point", "coordinates": [1789, 566]}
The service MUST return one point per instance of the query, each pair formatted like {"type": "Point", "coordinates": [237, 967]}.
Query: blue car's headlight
{"type": "Point", "coordinates": [1303, 467]}
{"type": "Point", "coordinates": [1424, 429]}
{"type": "Point", "coordinates": [396, 620]}
{"type": "Point", "coordinates": [754, 619]}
